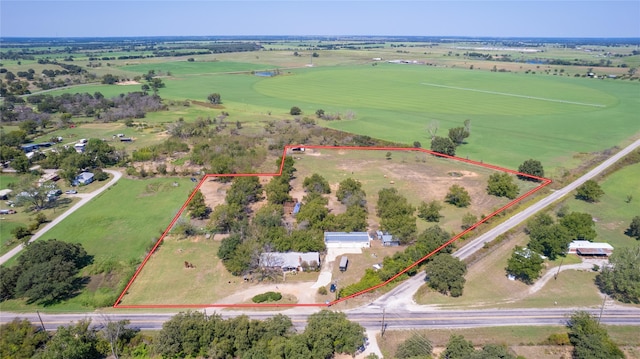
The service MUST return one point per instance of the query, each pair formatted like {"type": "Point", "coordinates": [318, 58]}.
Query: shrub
{"type": "Point", "coordinates": [322, 290]}
{"type": "Point", "coordinates": [267, 297]}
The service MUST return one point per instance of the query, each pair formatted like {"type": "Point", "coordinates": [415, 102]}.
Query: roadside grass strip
{"type": "Point", "coordinates": [513, 95]}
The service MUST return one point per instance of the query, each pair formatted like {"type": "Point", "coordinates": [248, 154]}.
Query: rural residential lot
{"type": "Point", "coordinates": [218, 142]}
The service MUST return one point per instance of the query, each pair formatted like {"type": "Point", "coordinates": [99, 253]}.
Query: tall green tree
{"type": "Point", "coordinates": [457, 135]}
{"type": "Point", "coordinates": [531, 167]}
{"type": "Point", "coordinates": [416, 346]}
{"type": "Point", "coordinates": [329, 332]}
{"type": "Point", "coordinates": [552, 240]}
{"type": "Point", "coordinates": [458, 196]}
{"type": "Point", "coordinates": [458, 348]}
{"type": "Point", "coordinates": [501, 184]}
{"type": "Point", "coordinates": [316, 183]}
{"type": "Point", "coordinates": [20, 339]}
{"type": "Point", "coordinates": [443, 145]}
{"type": "Point", "coordinates": [350, 193]}
{"type": "Point", "coordinates": [621, 280]}
{"type": "Point", "coordinates": [580, 226]}
{"type": "Point", "coordinates": [524, 264]}
{"type": "Point", "coordinates": [634, 228]}
{"type": "Point", "coordinates": [445, 274]}
{"type": "Point", "coordinates": [214, 98]}
{"type": "Point", "coordinates": [197, 207]}
{"type": "Point", "coordinates": [430, 212]}
{"type": "Point", "coordinates": [590, 191]}
{"type": "Point", "coordinates": [589, 339]}
{"type": "Point", "coordinates": [78, 341]}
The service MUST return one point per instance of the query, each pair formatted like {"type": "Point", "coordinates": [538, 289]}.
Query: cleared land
{"type": "Point", "coordinates": [416, 175]}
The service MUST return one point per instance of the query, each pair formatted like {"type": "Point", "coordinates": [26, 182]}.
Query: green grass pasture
{"type": "Point", "coordinates": [612, 213]}
{"type": "Point", "coordinates": [117, 228]}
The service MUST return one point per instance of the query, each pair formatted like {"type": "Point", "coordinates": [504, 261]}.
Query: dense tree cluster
{"type": "Point", "coordinates": [396, 215]}
{"type": "Point", "coordinates": [502, 185]}
{"type": "Point", "coordinates": [45, 273]}
{"type": "Point", "coordinates": [552, 239]}
{"type": "Point", "coordinates": [460, 348]}
{"type": "Point", "coordinates": [428, 241]}
{"type": "Point", "coordinates": [195, 334]}
{"type": "Point", "coordinates": [621, 278]}
{"type": "Point", "coordinates": [589, 339]}
{"type": "Point", "coordinates": [445, 273]}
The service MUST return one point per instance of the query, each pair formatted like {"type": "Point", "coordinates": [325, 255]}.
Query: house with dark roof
{"type": "Point", "coordinates": [347, 239]}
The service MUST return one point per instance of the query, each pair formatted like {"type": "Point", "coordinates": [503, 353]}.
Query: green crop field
{"type": "Point", "coordinates": [514, 116]}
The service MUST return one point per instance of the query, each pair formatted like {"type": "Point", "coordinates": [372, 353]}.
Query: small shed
{"type": "Point", "coordinates": [390, 241]}
{"type": "Point", "coordinates": [4, 194]}
{"type": "Point", "coordinates": [344, 263]}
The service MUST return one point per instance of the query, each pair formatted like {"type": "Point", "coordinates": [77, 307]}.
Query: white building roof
{"type": "Point", "coordinates": [586, 244]}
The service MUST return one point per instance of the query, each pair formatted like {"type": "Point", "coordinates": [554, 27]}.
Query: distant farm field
{"type": "Point", "coordinates": [514, 116]}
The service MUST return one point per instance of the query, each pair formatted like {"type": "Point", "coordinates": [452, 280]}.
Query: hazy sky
{"type": "Point", "coordinates": [507, 18]}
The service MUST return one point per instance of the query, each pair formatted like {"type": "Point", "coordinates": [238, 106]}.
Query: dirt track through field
{"type": "Point", "coordinates": [514, 95]}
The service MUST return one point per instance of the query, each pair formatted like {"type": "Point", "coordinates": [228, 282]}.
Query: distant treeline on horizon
{"type": "Point", "coordinates": [514, 41]}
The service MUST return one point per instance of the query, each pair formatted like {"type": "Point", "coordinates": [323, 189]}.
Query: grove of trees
{"type": "Point", "coordinates": [621, 278]}
{"type": "Point", "coordinates": [45, 273]}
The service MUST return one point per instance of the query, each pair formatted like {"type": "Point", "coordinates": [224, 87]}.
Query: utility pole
{"type": "Point", "coordinates": [41, 322]}
{"type": "Point", "coordinates": [382, 329]}
{"type": "Point", "coordinates": [560, 266]}
{"type": "Point", "coordinates": [602, 308]}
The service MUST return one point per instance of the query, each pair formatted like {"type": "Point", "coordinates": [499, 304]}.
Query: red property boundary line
{"type": "Point", "coordinates": [544, 183]}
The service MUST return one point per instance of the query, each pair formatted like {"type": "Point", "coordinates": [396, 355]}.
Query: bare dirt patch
{"type": "Point", "coordinates": [125, 83]}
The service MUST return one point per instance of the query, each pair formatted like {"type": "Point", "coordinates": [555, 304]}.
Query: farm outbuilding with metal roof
{"type": "Point", "coordinates": [347, 239]}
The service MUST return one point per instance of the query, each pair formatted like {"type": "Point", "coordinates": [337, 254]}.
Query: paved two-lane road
{"type": "Point", "coordinates": [85, 198]}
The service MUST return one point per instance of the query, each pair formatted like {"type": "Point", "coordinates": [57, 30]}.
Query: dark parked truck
{"type": "Point", "coordinates": [344, 262]}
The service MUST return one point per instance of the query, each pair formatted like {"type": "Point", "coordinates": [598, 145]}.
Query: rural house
{"type": "Point", "coordinates": [290, 261]}
{"type": "Point", "coordinates": [590, 249]}
{"type": "Point", "coordinates": [83, 179]}
{"type": "Point", "coordinates": [347, 239]}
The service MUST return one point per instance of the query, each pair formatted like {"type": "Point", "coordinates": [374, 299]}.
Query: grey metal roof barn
{"type": "Point", "coordinates": [346, 239]}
